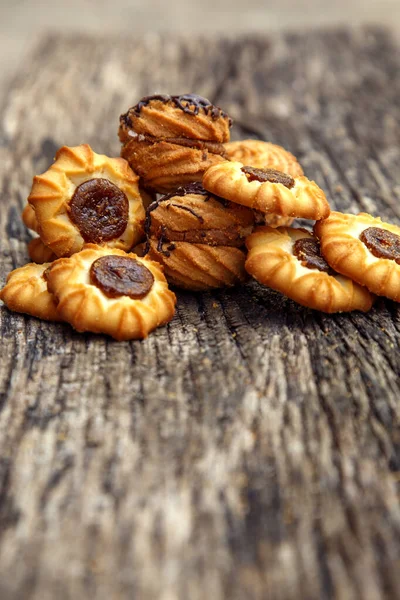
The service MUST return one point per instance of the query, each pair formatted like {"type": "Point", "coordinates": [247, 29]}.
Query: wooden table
{"type": "Point", "coordinates": [250, 449]}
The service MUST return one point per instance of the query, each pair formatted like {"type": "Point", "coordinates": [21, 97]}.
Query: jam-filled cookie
{"type": "Point", "coordinates": [26, 292]}
{"type": "Point", "coordinates": [87, 197]}
{"type": "Point", "coordinates": [29, 218]}
{"type": "Point", "coordinates": [263, 155]}
{"type": "Point", "coordinates": [267, 190]}
{"type": "Point", "coordinates": [171, 140]}
{"type": "Point", "coordinates": [39, 253]}
{"type": "Point", "coordinates": [105, 290]}
{"type": "Point", "coordinates": [363, 248]}
{"type": "Point", "coordinates": [289, 260]}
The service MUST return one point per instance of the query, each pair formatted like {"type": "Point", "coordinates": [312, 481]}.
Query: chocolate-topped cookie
{"type": "Point", "coordinates": [196, 237]}
{"type": "Point", "coordinates": [172, 140]}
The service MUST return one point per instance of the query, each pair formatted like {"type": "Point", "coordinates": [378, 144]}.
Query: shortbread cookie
{"type": "Point", "coordinates": [199, 267]}
{"type": "Point", "coordinates": [267, 190]}
{"type": "Point", "coordinates": [289, 260]}
{"type": "Point", "coordinates": [87, 197]}
{"type": "Point", "coordinates": [363, 248]}
{"type": "Point", "coordinates": [39, 253]}
{"type": "Point", "coordinates": [29, 218]}
{"type": "Point", "coordinates": [26, 292]}
{"type": "Point", "coordinates": [105, 290]}
{"type": "Point", "coordinates": [191, 214]}
{"type": "Point", "coordinates": [263, 155]}
{"type": "Point", "coordinates": [171, 140]}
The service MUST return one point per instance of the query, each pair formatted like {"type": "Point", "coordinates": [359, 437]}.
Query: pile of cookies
{"type": "Point", "coordinates": [185, 206]}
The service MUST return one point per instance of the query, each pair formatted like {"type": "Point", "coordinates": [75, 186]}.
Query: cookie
{"type": "Point", "coordinates": [39, 253]}
{"type": "Point", "coordinates": [289, 260]}
{"type": "Point", "coordinates": [87, 197]}
{"type": "Point", "coordinates": [191, 214]}
{"type": "Point", "coordinates": [263, 155]}
{"type": "Point", "coordinates": [105, 290]}
{"type": "Point", "coordinates": [364, 248]}
{"type": "Point", "coordinates": [29, 218]}
{"type": "Point", "coordinates": [171, 140]}
{"type": "Point", "coordinates": [26, 292]}
{"type": "Point", "coordinates": [267, 190]}
{"type": "Point", "coordinates": [199, 267]}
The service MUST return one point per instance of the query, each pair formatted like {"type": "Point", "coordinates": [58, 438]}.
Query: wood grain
{"type": "Point", "coordinates": [250, 449]}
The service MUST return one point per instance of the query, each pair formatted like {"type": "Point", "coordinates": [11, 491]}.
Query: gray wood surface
{"type": "Point", "coordinates": [250, 449]}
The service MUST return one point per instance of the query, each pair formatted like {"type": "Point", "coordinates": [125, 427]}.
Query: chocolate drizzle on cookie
{"type": "Point", "coordinates": [190, 104]}
{"type": "Point", "coordinates": [190, 210]}
{"type": "Point", "coordinates": [308, 252]}
{"type": "Point", "coordinates": [195, 188]}
{"type": "Point", "coordinates": [100, 210]}
{"type": "Point", "coordinates": [119, 276]}
{"type": "Point", "coordinates": [382, 243]}
{"type": "Point", "coordinates": [271, 175]}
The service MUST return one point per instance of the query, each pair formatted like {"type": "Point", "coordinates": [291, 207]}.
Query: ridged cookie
{"type": "Point", "coordinates": [186, 116]}
{"type": "Point", "coordinates": [262, 155]}
{"type": "Point", "coordinates": [191, 214]}
{"type": "Point", "coordinates": [363, 248]}
{"type": "Point", "coordinates": [199, 267]}
{"type": "Point", "coordinates": [39, 253]}
{"type": "Point", "coordinates": [163, 166]}
{"type": "Point", "coordinates": [29, 218]}
{"type": "Point", "coordinates": [26, 292]}
{"type": "Point", "coordinates": [267, 190]}
{"type": "Point", "coordinates": [288, 260]}
{"type": "Point", "coordinates": [105, 290]}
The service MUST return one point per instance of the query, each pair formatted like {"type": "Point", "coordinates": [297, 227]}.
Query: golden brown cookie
{"type": "Point", "coordinates": [187, 116]}
{"type": "Point", "coordinates": [267, 190]}
{"type": "Point", "coordinates": [26, 292]}
{"type": "Point", "coordinates": [263, 155]}
{"type": "Point", "coordinates": [289, 260]}
{"type": "Point", "coordinates": [171, 140]}
{"type": "Point", "coordinates": [199, 267]}
{"type": "Point", "coordinates": [29, 218]}
{"type": "Point", "coordinates": [39, 253]}
{"type": "Point", "coordinates": [87, 197]}
{"type": "Point", "coordinates": [105, 290]}
{"type": "Point", "coordinates": [364, 248]}
{"type": "Point", "coordinates": [191, 214]}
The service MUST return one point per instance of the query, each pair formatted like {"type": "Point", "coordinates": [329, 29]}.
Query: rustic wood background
{"type": "Point", "coordinates": [250, 449]}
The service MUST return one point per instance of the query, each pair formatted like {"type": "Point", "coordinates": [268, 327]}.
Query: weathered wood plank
{"type": "Point", "coordinates": [250, 449]}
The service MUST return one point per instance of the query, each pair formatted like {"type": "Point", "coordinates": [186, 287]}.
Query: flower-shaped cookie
{"type": "Point", "coordinates": [267, 190]}
{"type": "Point", "coordinates": [105, 290]}
{"type": "Point", "coordinates": [363, 248]}
{"type": "Point", "coordinates": [263, 155]}
{"type": "Point", "coordinates": [26, 292]}
{"type": "Point", "coordinates": [87, 197]}
{"type": "Point", "coordinates": [289, 260]}
{"type": "Point", "coordinates": [39, 253]}
{"type": "Point", "coordinates": [29, 218]}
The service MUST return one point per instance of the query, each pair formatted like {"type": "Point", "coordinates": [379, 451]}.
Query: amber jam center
{"type": "Point", "coordinates": [382, 243]}
{"type": "Point", "coordinates": [121, 276]}
{"type": "Point", "coordinates": [271, 175]}
{"type": "Point", "coordinates": [308, 251]}
{"type": "Point", "coordinates": [100, 210]}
